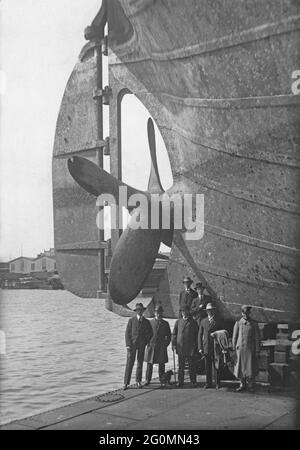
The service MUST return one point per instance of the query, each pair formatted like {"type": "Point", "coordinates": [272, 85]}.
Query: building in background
{"type": "Point", "coordinates": [37, 272]}
{"type": "Point", "coordinates": [22, 264]}
{"type": "Point", "coordinates": [43, 262]}
{"type": "Point", "coordinates": [4, 268]}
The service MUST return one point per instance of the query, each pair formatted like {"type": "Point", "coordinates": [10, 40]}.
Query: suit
{"type": "Point", "coordinates": [206, 344]}
{"type": "Point", "coordinates": [186, 298]}
{"type": "Point", "coordinates": [156, 350]}
{"type": "Point", "coordinates": [184, 339]}
{"type": "Point", "coordinates": [137, 335]}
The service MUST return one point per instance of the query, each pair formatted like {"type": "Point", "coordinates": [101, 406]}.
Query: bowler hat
{"type": "Point", "coordinates": [159, 308]}
{"type": "Point", "coordinates": [210, 306]}
{"type": "Point", "coordinates": [187, 280]}
{"type": "Point", "coordinates": [245, 308]}
{"type": "Point", "coordinates": [199, 286]}
{"type": "Point", "coordinates": [139, 307]}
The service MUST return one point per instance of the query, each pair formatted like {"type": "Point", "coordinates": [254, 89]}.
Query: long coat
{"type": "Point", "coordinates": [246, 342]}
{"type": "Point", "coordinates": [156, 350]}
{"type": "Point", "coordinates": [205, 341]}
{"type": "Point", "coordinates": [184, 336]}
{"type": "Point", "coordinates": [138, 332]}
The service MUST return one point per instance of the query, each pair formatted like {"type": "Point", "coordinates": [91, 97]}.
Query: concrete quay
{"type": "Point", "coordinates": [171, 408]}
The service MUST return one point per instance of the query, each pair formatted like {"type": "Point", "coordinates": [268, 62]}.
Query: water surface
{"type": "Point", "coordinates": [59, 349]}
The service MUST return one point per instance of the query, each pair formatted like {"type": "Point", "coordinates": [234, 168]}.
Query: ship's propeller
{"type": "Point", "coordinates": [137, 248]}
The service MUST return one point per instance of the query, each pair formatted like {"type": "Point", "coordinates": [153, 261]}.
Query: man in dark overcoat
{"type": "Point", "coordinates": [184, 341]}
{"type": "Point", "coordinates": [156, 350]}
{"type": "Point", "coordinates": [208, 325]}
{"type": "Point", "coordinates": [186, 296]}
{"type": "Point", "coordinates": [137, 336]}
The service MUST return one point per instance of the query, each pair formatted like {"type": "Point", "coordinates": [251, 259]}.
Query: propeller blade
{"type": "Point", "coordinates": [95, 180]}
{"type": "Point", "coordinates": [154, 183]}
{"type": "Point", "coordinates": [132, 262]}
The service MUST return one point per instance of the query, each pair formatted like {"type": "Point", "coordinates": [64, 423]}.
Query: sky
{"type": "Point", "coordinates": [40, 44]}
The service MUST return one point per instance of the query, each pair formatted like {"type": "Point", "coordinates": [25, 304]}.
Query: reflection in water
{"type": "Point", "coordinates": [59, 349]}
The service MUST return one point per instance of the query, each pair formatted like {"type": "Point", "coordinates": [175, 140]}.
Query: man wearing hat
{"type": "Point", "coordinates": [246, 342]}
{"type": "Point", "coordinates": [156, 350]}
{"type": "Point", "coordinates": [137, 336]}
{"type": "Point", "coordinates": [184, 341]}
{"type": "Point", "coordinates": [186, 296]}
{"type": "Point", "coordinates": [206, 344]}
{"type": "Point", "coordinates": [199, 303]}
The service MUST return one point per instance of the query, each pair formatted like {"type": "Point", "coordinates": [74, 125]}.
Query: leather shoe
{"type": "Point", "coordinates": [125, 387]}
{"type": "Point", "coordinates": [139, 385]}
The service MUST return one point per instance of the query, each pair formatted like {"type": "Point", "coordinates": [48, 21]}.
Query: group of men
{"type": "Point", "coordinates": [198, 333]}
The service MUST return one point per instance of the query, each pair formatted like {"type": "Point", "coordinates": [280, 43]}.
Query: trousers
{"type": "Point", "coordinates": [161, 371]}
{"type": "Point", "coordinates": [136, 352]}
{"type": "Point", "coordinates": [192, 368]}
{"type": "Point", "coordinates": [209, 366]}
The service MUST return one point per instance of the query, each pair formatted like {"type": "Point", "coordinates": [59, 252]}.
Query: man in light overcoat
{"type": "Point", "coordinates": [246, 342]}
{"type": "Point", "coordinates": [156, 350]}
{"type": "Point", "coordinates": [184, 341]}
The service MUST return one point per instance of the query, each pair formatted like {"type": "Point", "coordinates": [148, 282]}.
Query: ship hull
{"type": "Point", "coordinates": [217, 78]}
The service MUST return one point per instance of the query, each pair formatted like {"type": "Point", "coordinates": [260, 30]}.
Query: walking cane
{"type": "Point", "coordinates": [174, 366]}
